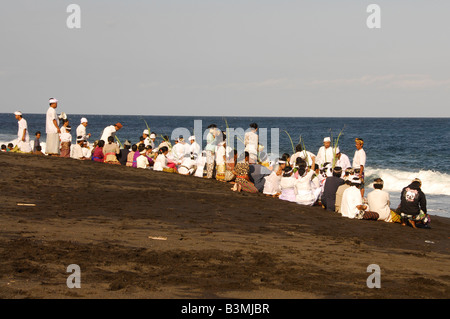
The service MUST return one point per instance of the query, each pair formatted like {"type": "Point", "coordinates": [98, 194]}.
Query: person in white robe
{"type": "Point", "coordinates": [110, 130]}
{"type": "Point", "coordinates": [23, 137]}
{"type": "Point", "coordinates": [352, 205]}
{"type": "Point", "coordinates": [342, 160]}
{"type": "Point", "coordinates": [142, 160]}
{"type": "Point", "coordinates": [251, 142]}
{"type": "Point", "coordinates": [379, 201]}
{"type": "Point", "coordinates": [76, 152]}
{"type": "Point", "coordinates": [194, 147]}
{"type": "Point", "coordinates": [188, 165]}
{"type": "Point", "coordinates": [305, 194]}
{"type": "Point", "coordinates": [325, 154]}
{"type": "Point", "coordinates": [81, 129]}
{"type": "Point", "coordinates": [52, 129]}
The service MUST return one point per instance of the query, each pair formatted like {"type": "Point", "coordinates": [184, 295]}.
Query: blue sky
{"type": "Point", "coordinates": [234, 58]}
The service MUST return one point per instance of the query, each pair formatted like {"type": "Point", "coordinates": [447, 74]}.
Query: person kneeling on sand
{"type": "Point", "coordinates": [379, 202]}
{"type": "Point", "coordinates": [77, 149]}
{"type": "Point", "coordinates": [352, 205]}
{"type": "Point", "coordinates": [38, 150]}
{"type": "Point", "coordinates": [413, 205]}
{"type": "Point", "coordinates": [241, 170]}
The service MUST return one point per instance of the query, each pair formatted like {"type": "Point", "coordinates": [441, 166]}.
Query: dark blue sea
{"type": "Point", "coordinates": [398, 149]}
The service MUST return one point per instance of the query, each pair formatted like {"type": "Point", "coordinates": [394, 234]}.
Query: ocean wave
{"type": "Point", "coordinates": [433, 182]}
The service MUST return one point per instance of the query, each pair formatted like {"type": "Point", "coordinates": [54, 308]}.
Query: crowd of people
{"type": "Point", "coordinates": [327, 179]}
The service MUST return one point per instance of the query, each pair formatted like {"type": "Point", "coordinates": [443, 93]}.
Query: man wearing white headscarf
{"type": "Point", "coordinates": [194, 147]}
{"type": "Point", "coordinates": [52, 129]}
{"type": "Point", "coordinates": [23, 138]}
{"type": "Point", "coordinates": [325, 154]}
{"type": "Point", "coordinates": [342, 161]}
{"type": "Point", "coordinates": [352, 205]}
{"type": "Point", "coordinates": [81, 129]}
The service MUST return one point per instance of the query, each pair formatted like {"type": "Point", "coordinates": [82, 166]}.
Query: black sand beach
{"type": "Point", "coordinates": [145, 234]}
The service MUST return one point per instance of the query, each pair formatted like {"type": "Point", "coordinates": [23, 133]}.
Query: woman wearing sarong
{"type": "Point", "coordinates": [130, 156]}
{"type": "Point", "coordinates": [242, 182]}
{"type": "Point", "coordinates": [110, 151]}
{"type": "Point", "coordinates": [98, 155]}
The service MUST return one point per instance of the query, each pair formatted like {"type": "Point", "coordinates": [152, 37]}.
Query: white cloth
{"type": "Point", "coordinates": [201, 162]}
{"type": "Point", "coordinates": [194, 148]}
{"type": "Point", "coordinates": [65, 137]}
{"type": "Point", "coordinates": [272, 184]}
{"type": "Point", "coordinates": [142, 162]}
{"type": "Point", "coordinates": [187, 166]}
{"type": "Point", "coordinates": [343, 162]}
{"type": "Point", "coordinates": [379, 202]}
{"type": "Point", "coordinates": [87, 152]}
{"type": "Point", "coordinates": [251, 145]}
{"type": "Point", "coordinates": [305, 194]}
{"type": "Point", "coordinates": [306, 155]}
{"type": "Point", "coordinates": [76, 152]}
{"type": "Point", "coordinates": [351, 198]}
{"type": "Point", "coordinates": [178, 151]}
{"type": "Point", "coordinates": [220, 154]}
{"type": "Point", "coordinates": [107, 132]}
{"type": "Point", "coordinates": [24, 146]}
{"type": "Point", "coordinates": [287, 188]}
{"type": "Point", "coordinates": [160, 163]}
{"type": "Point", "coordinates": [359, 159]}
{"type": "Point", "coordinates": [52, 143]}
{"type": "Point", "coordinates": [81, 131]}
{"type": "Point", "coordinates": [325, 155]}
{"type": "Point", "coordinates": [49, 125]}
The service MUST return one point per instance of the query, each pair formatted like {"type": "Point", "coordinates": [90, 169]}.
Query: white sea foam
{"type": "Point", "coordinates": [433, 183]}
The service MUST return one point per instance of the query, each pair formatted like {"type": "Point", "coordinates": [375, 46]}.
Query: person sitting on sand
{"type": "Point", "coordinates": [111, 150]}
{"type": "Point", "coordinates": [77, 149]}
{"type": "Point", "coordinates": [3, 148]}
{"type": "Point", "coordinates": [38, 151]}
{"type": "Point", "coordinates": [379, 201]}
{"type": "Point", "coordinates": [241, 170]}
{"type": "Point", "coordinates": [123, 154]}
{"type": "Point", "coordinates": [303, 154]}
{"type": "Point", "coordinates": [142, 160]}
{"type": "Point", "coordinates": [161, 161]}
{"type": "Point", "coordinates": [258, 174]}
{"type": "Point", "coordinates": [10, 147]}
{"type": "Point", "coordinates": [305, 194]}
{"type": "Point", "coordinates": [98, 155]}
{"type": "Point", "coordinates": [287, 184]}
{"type": "Point", "coordinates": [352, 205]}
{"type": "Point", "coordinates": [332, 183]}
{"type": "Point", "coordinates": [272, 183]}
{"type": "Point", "coordinates": [188, 165]}
{"type": "Point", "coordinates": [340, 191]}
{"type": "Point", "coordinates": [140, 148]}
{"type": "Point", "coordinates": [130, 156]}
{"type": "Point", "coordinates": [413, 205]}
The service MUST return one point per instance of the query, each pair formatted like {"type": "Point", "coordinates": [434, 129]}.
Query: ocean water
{"type": "Point", "coordinates": [398, 149]}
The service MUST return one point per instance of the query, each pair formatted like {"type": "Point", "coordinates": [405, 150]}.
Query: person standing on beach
{"type": "Point", "coordinates": [210, 150]}
{"type": "Point", "coordinates": [251, 142]}
{"type": "Point", "coordinates": [23, 138]}
{"type": "Point", "coordinates": [66, 141]}
{"type": "Point", "coordinates": [325, 154]}
{"type": "Point", "coordinates": [81, 129]}
{"type": "Point", "coordinates": [52, 129]}
{"type": "Point", "coordinates": [359, 162]}
{"type": "Point", "coordinates": [110, 131]}
{"type": "Point", "coordinates": [37, 141]}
